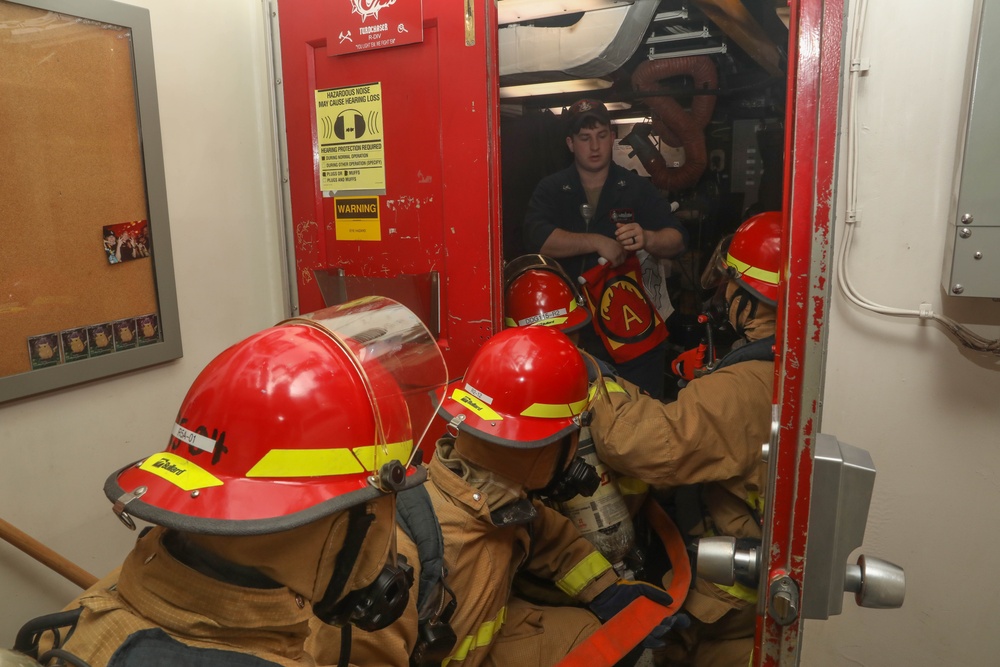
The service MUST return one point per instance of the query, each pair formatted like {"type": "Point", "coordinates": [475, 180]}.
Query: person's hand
{"type": "Point", "coordinates": [610, 249]}
{"type": "Point", "coordinates": [622, 593]}
{"type": "Point", "coordinates": [631, 236]}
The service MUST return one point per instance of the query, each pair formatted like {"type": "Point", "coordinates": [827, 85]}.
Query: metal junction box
{"type": "Point", "coordinates": [972, 252]}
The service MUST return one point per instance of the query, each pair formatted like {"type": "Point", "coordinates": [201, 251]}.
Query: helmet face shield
{"type": "Point", "coordinates": [751, 257]}
{"type": "Point", "coordinates": [400, 362]}
{"type": "Point", "coordinates": [519, 265]}
{"type": "Point", "coordinates": [716, 270]}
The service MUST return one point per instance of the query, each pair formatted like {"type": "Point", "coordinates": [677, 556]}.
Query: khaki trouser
{"type": "Point", "coordinates": [726, 643]}
{"type": "Point", "coordinates": [539, 636]}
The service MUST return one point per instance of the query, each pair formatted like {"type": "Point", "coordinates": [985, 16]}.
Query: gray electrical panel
{"type": "Point", "coordinates": [972, 252]}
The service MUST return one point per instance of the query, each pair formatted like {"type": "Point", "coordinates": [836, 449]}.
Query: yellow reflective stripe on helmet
{"type": "Point", "coordinates": [307, 463]}
{"type": "Point", "coordinates": [483, 636]}
{"type": "Point", "coordinates": [555, 410]}
{"type": "Point", "coordinates": [324, 462]}
{"type": "Point", "coordinates": [583, 573]}
{"type": "Point", "coordinates": [474, 404]}
{"type": "Point", "coordinates": [179, 471]}
{"type": "Point", "coordinates": [630, 486]}
{"type": "Point", "coordinates": [374, 457]}
{"type": "Point", "coordinates": [740, 591]}
{"type": "Point", "coordinates": [744, 269]}
{"type": "Point", "coordinates": [545, 322]}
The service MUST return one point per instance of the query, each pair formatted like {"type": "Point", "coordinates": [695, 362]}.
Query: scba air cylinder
{"type": "Point", "coordinates": [603, 518]}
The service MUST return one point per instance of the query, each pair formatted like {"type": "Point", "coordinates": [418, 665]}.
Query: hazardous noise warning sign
{"type": "Point", "coordinates": [351, 149]}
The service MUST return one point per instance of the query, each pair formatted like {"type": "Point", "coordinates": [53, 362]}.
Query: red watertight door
{"type": "Point", "coordinates": [814, 80]}
{"type": "Point", "coordinates": [392, 159]}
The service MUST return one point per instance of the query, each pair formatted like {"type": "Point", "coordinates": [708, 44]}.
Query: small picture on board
{"type": "Point", "coordinates": [126, 241]}
{"type": "Point", "coordinates": [44, 350]}
{"type": "Point", "coordinates": [125, 334]}
{"type": "Point", "coordinates": [101, 339]}
{"type": "Point", "coordinates": [74, 344]}
{"type": "Point", "coordinates": [148, 328]}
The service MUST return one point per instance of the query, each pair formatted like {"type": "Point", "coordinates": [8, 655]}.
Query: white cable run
{"type": "Point", "coordinates": [965, 336]}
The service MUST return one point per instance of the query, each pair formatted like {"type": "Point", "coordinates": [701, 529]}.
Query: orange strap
{"type": "Point", "coordinates": [634, 623]}
{"type": "Point", "coordinates": [676, 550]}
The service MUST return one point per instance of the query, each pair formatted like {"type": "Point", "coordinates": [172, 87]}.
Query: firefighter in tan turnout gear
{"type": "Point", "coordinates": [711, 436]}
{"type": "Point", "coordinates": [516, 415]}
{"type": "Point", "coordinates": [273, 500]}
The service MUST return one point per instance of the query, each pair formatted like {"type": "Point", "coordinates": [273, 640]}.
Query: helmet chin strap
{"type": "Point", "coordinates": [743, 301]}
{"type": "Point", "coordinates": [375, 606]}
{"type": "Point", "coordinates": [329, 608]}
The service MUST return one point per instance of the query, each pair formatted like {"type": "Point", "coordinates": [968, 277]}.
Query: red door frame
{"type": "Point", "coordinates": [814, 86]}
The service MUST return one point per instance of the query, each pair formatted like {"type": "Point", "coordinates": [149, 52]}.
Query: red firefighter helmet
{"type": "Point", "coordinates": [525, 388]}
{"type": "Point", "coordinates": [538, 291]}
{"type": "Point", "coordinates": [294, 423]}
{"type": "Point", "coordinates": [751, 256]}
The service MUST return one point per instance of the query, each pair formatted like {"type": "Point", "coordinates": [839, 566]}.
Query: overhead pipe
{"type": "Point", "coordinates": [675, 123]}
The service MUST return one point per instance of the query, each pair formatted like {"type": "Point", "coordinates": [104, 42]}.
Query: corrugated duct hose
{"type": "Point", "coordinates": [674, 123]}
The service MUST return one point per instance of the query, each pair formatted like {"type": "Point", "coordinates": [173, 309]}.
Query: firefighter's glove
{"type": "Point", "coordinates": [619, 595]}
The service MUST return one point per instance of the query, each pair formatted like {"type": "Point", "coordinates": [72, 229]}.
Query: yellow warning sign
{"type": "Point", "coordinates": [357, 219]}
{"type": "Point", "coordinates": [351, 149]}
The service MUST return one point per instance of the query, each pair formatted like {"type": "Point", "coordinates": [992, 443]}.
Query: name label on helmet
{"type": "Point", "coordinates": [179, 472]}
{"type": "Point", "coordinates": [488, 400]}
{"type": "Point", "coordinates": [202, 442]}
{"type": "Point", "coordinates": [534, 319]}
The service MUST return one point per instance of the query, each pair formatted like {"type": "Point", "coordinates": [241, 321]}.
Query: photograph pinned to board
{"type": "Point", "coordinates": [74, 344]}
{"type": "Point", "coordinates": [44, 350]}
{"type": "Point", "coordinates": [126, 241]}
{"type": "Point", "coordinates": [101, 339]}
{"type": "Point", "coordinates": [125, 334]}
{"type": "Point", "coordinates": [148, 329]}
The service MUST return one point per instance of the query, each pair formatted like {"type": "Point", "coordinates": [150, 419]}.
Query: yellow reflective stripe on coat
{"type": "Point", "coordinates": [740, 591]}
{"type": "Point", "coordinates": [324, 462]}
{"type": "Point", "coordinates": [583, 573]}
{"type": "Point", "coordinates": [483, 637]}
{"type": "Point", "coordinates": [613, 387]}
{"type": "Point", "coordinates": [744, 269]}
{"type": "Point", "coordinates": [630, 486]}
{"type": "Point", "coordinates": [555, 410]}
{"type": "Point", "coordinates": [609, 384]}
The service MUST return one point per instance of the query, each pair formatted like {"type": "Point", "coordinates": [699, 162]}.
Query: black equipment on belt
{"type": "Point", "coordinates": [435, 600]}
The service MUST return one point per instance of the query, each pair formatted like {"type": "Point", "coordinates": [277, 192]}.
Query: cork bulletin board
{"type": "Point", "coordinates": [86, 275]}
